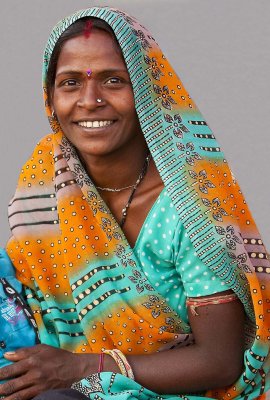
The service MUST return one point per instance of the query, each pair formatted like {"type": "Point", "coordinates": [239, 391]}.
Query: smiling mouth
{"type": "Point", "coordinates": [95, 124]}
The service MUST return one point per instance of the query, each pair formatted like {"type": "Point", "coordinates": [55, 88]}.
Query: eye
{"type": "Point", "coordinates": [70, 82]}
{"type": "Point", "coordinates": [114, 80]}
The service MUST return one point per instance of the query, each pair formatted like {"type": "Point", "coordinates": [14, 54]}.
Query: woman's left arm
{"type": "Point", "coordinates": [214, 360]}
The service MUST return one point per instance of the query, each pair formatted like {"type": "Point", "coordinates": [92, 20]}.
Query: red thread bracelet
{"type": "Point", "coordinates": [101, 362]}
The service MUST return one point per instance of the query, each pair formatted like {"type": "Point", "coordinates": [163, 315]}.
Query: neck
{"type": "Point", "coordinates": [116, 170]}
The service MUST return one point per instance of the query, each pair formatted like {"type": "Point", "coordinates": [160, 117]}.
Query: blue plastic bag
{"type": "Point", "coordinates": [16, 329]}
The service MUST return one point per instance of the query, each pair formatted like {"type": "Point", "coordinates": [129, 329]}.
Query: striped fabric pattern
{"type": "Point", "coordinates": [75, 260]}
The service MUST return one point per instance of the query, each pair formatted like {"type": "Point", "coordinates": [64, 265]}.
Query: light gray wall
{"type": "Point", "coordinates": [220, 49]}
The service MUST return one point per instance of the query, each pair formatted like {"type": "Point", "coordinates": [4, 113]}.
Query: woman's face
{"type": "Point", "coordinates": [95, 128]}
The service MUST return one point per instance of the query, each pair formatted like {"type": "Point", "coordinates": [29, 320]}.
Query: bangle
{"type": "Point", "coordinates": [121, 362]}
{"type": "Point", "coordinates": [101, 362]}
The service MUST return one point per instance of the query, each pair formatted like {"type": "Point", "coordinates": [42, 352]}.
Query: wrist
{"type": "Point", "coordinates": [121, 361]}
{"type": "Point", "coordinates": [109, 365]}
{"type": "Point", "coordinates": [85, 364]}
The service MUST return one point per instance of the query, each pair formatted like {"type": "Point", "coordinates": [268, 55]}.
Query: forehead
{"type": "Point", "coordinates": [98, 50]}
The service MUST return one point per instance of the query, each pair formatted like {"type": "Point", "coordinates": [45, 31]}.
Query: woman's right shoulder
{"type": "Point", "coordinates": [43, 150]}
{"type": "Point", "coordinates": [46, 142]}
{"type": "Point", "coordinates": [39, 168]}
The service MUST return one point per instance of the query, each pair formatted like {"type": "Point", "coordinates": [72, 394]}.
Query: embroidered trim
{"type": "Point", "coordinates": [193, 303]}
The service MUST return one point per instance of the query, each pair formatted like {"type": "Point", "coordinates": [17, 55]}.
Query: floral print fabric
{"type": "Point", "coordinates": [84, 282]}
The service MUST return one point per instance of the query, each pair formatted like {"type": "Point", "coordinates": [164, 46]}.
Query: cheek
{"type": "Point", "coordinates": [62, 112]}
{"type": "Point", "coordinates": [131, 111]}
{"type": "Point", "coordinates": [62, 105]}
{"type": "Point", "coordinates": [128, 106]}
{"type": "Point", "coordinates": [126, 101]}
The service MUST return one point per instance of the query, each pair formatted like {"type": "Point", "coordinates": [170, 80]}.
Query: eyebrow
{"type": "Point", "coordinates": [103, 72]}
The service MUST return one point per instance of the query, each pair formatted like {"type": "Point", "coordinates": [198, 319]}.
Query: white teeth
{"type": "Point", "coordinates": [94, 124]}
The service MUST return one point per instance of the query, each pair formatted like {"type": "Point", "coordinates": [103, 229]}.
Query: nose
{"type": "Point", "coordinates": [90, 96]}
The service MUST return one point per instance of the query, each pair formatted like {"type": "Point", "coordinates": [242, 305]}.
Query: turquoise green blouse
{"type": "Point", "coordinates": [169, 259]}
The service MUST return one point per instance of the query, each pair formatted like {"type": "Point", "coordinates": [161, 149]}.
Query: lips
{"type": "Point", "coordinates": [95, 124]}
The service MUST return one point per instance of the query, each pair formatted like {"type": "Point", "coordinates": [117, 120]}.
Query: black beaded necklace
{"type": "Point", "coordinates": [134, 187]}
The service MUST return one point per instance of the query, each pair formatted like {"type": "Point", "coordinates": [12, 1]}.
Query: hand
{"type": "Point", "coordinates": [40, 368]}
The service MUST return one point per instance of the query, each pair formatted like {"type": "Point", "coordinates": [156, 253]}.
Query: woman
{"type": "Point", "coordinates": [130, 234]}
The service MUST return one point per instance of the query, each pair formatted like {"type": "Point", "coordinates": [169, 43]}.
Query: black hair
{"type": "Point", "coordinates": [78, 28]}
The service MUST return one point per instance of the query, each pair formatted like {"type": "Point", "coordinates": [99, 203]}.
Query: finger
{"type": "Point", "coordinates": [31, 378]}
{"type": "Point", "coordinates": [25, 394]}
{"type": "Point", "coordinates": [22, 387]}
{"type": "Point", "coordinates": [12, 386]}
{"type": "Point", "coordinates": [23, 352]}
{"type": "Point", "coordinates": [13, 370]}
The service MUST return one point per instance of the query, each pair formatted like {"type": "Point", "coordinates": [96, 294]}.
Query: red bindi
{"type": "Point", "coordinates": [88, 29]}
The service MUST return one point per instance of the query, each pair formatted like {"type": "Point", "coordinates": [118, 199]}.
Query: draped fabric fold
{"type": "Point", "coordinates": [85, 284]}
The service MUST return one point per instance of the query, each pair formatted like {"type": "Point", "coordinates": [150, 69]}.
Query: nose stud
{"type": "Point", "coordinates": [99, 100]}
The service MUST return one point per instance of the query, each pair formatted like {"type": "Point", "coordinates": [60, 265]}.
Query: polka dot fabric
{"type": "Point", "coordinates": [169, 259]}
{"type": "Point", "coordinates": [87, 288]}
